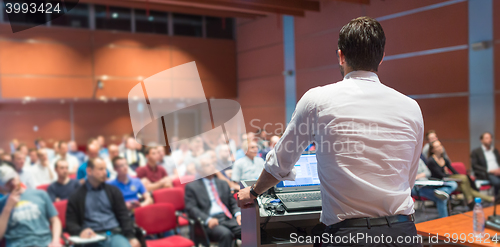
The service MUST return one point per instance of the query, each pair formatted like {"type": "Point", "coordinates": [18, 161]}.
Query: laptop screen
{"type": "Point", "coordinates": [306, 170]}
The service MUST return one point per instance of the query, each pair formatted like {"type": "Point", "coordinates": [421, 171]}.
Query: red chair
{"type": "Point", "coordinates": [159, 218]}
{"type": "Point", "coordinates": [42, 187]}
{"type": "Point", "coordinates": [177, 182]}
{"type": "Point", "coordinates": [72, 176]}
{"type": "Point", "coordinates": [459, 167]}
{"type": "Point", "coordinates": [175, 196]}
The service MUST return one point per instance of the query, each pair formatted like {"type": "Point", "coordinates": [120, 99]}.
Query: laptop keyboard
{"type": "Point", "coordinates": [300, 197]}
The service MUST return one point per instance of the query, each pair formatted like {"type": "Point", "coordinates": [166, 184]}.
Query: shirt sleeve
{"type": "Point", "coordinates": [236, 173]}
{"type": "Point", "coordinates": [419, 131]}
{"type": "Point", "coordinates": [298, 135]}
{"type": "Point", "coordinates": [50, 209]}
{"type": "Point", "coordinates": [51, 192]}
{"type": "Point", "coordinates": [141, 187]}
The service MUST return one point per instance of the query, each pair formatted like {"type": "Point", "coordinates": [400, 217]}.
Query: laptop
{"type": "Point", "coordinates": [303, 194]}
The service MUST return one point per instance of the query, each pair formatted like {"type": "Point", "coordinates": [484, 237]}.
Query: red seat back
{"type": "Point", "coordinates": [61, 210]}
{"type": "Point", "coordinates": [175, 196]}
{"type": "Point", "coordinates": [42, 187]}
{"type": "Point", "coordinates": [156, 218]}
{"type": "Point", "coordinates": [459, 167]}
{"type": "Point", "coordinates": [177, 182]}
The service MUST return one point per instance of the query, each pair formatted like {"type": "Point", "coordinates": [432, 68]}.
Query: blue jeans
{"type": "Point", "coordinates": [116, 240]}
{"type": "Point", "coordinates": [428, 192]}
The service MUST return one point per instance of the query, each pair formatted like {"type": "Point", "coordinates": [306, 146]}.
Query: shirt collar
{"type": "Point", "coordinates": [89, 186]}
{"type": "Point", "coordinates": [485, 149]}
{"type": "Point", "coordinates": [362, 75]}
{"type": "Point", "coordinates": [120, 182]}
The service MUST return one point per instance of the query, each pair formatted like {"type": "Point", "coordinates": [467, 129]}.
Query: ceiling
{"type": "Point", "coordinates": [224, 8]}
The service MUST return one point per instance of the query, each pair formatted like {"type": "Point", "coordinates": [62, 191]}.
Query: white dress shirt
{"type": "Point", "coordinates": [73, 162]}
{"type": "Point", "coordinates": [368, 143]}
{"type": "Point", "coordinates": [41, 174]}
{"type": "Point", "coordinates": [491, 160]}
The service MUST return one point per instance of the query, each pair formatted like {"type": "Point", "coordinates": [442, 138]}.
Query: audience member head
{"type": "Point", "coordinates": [42, 156]}
{"type": "Point", "coordinates": [18, 161]}
{"type": "Point", "coordinates": [253, 149]}
{"type": "Point", "coordinates": [184, 145]}
{"type": "Point", "coordinates": [120, 165]}
{"type": "Point", "coordinates": [197, 146]}
{"type": "Point", "coordinates": [9, 179]}
{"type": "Point", "coordinates": [273, 141]}
{"type": "Point", "coordinates": [62, 169]}
{"type": "Point", "coordinates": [361, 45]}
{"type": "Point", "coordinates": [62, 148]}
{"type": "Point", "coordinates": [205, 166]}
{"type": "Point", "coordinates": [96, 171]}
{"type": "Point", "coordinates": [41, 143]}
{"type": "Point", "coordinates": [1, 152]}
{"type": "Point", "coordinates": [211, 154]}
{"type": "Point", "coordinates": [33, 154]}
{"type": "Point", "coordinates": [486, 139]}
{"type": "Point", "coordinates": [431, 136]}
{"type": "Point", "coordinates": [224, 153]}
{"type": "Point", "coordinates": [161, 153]}
{"type": "Point", "coordinates": [56, 147]}
{"type": "Point", "coordinates": [92, 141]}
{"type": "Point", "coordinates": [101, 141]}
{"type": "Point", "coordinates": [15, 143]}
{"type": "Point", "coordinates": [244, 137]}
{"type": "Point", "coordinates": [131, 143]}
{"type": "Point", "coordinates": [263, 134]}
{"type": "Point", "coordinates": [152, 156]}
{"type": "Point", "coordinates": [72, 146]}
{"type": "Point", "coordinates": [113, 151]}
{"type": "Point", "coordinates": [93, 151]}
{"type": "Point", "coordinates": [23, 149]}
{"type": "Point", "coordinates": [435, 148]}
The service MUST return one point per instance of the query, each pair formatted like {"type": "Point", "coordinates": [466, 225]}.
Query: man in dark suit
{"type": "Point", "coordinates": [485, 161]}
{"type": "Point", "coordinates": [210, 200]}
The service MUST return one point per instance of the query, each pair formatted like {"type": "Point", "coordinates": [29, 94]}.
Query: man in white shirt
{"type": "Point", "coordinates": [485, 161]}
{"type": "Point", "coordinates": [43, 172]}
{"type": "Point", "coordinates": [25, 174]}
{"type": "Point", "coordinates": [368, 142]}
{"type": "Point", "coordinates": [134, 158]}
{"type": "Point", "coordinates": [62, 154]}
{"type": "Point", "coordinates": [250, 166]}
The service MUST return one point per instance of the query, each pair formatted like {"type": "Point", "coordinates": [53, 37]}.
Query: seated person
{"type": "Point", "coordinates": [431, 136]}
{"type": "Point", "coordinates": [210, 199]}
{"type": "Point", "coordinates": [25, 174]}
{"type": "Point", "coordinates": [131, 188]}
{"type": "Point", "coordinates": [28, 216]}
{"type": "Point", "coordinates": [437, 194]}
{"type": "Point", "coordinates": [250, 166]}
{"type": "Point", "coordinates": [92, 153]}
{"type": "Point", "coordinates": [437, 162]}
{"type": "Point", "coordinates": [43, 172]}
{"type": "Point", "coordinates": [99, 208]}
{"type": "Point", "coordinates": [62, 153]}
{"type": "Point", "coordinates": [73, 150]}
{"type": "Point", "coordinates": [485, 161]}
{"type": "Point", "coordinates": [64, 186]}
{"type": "Point", "coordinates": [134, 157]}
{"type": "Point", "coordinates": [152, 175]}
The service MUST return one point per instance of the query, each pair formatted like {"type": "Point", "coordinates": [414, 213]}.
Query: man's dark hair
{"type": "Point", "coordinates": [482, 135]}
{"type": "Point", "coordinates": [362, 41]}
{"type": "Point", "coordinates": [60, 143]}
{"type": "Point", "coordinates": [428, 133]}
{"type": "Point", "coordinates": [115, 159]}
{"type": "Point", "coordinates": [57, 162]}
{"type": "Point", "coordinates": [91, 162]}
{"type": "Point", "coordinates": [148, 150]}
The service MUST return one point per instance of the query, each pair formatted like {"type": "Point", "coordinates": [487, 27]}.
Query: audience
{"type": "Point", "coordinates": [25, 174]}
{"type": "Point", "coordinates": [153, 176]}
{"type": "Point", "coordinates": [99, 208]}
{"type": "Point", "coordinates": [73, 150]}
{"type": "Point", "coordinates": [272, 142]}
{"type": "Point", "coordinates": [64, 186]}
{"type": "Point", "coordinates": [103, 151]}
{"type": "Point", "coordinates": [437, 194]}
{"type": "Point", "coordinates": [437, 163]}
{"type": "Point", "coordinates": [431, 136]}
{"type": "Point", "coordinates": [33, 157]}
{"type": "Point", "coordinates": [221, 215]}
{"type": "Point", "coordinates": [131, 188]}
{"type": "Point", "coordinates": [62, 153]}
{"type": "Point", "coordinates": [42, 145]}
{"type": "Point", "coordinates": [485, 161]}
{"type": "Point", "coordinates": [6, 157]}
{"type": "Point", "coordinates": [133, 156]}
{"type": "Point", "coordinates": [28, 216]}
{"type": "Point", "coordinates": [113, 152]}
{"type": "Point", "coordinates": [42, 172]}
{"type": "Point", "coordinates": [25, 151]}
{"type": "Point", "coordinates": [250, 166]}
{"type": "Point", "coordinates": [167, 162]}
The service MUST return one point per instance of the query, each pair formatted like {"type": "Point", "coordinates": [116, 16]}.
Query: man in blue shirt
{"type": "Point", "coordinates": [131, 188]}
{"type": "Point", "coordinates": [28, 217]}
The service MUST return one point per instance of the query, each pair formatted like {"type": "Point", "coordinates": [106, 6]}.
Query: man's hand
{"type": "Point", "coordinates": [238, 219]}
{"type": "Point", "coordinates": [129, 205]}
{"type": "Point", "coordinates": [496, 172]}
{"type": "Point", "coordinates": [87, 233]}
{"type": "Point", "coordinates": [245, 199]}
{"type": "Point", "coordinates": [134, 242]}
{"type": "Point", "coordinates": [213, 222]}
{"type": "Point", "coordinates": [167, 182]}
{"type": "Point", "coordinates": [13, 199]}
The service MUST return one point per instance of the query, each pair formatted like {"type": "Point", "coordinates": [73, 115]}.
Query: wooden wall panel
{"type": "Point", "coordinates": [313, 78]}
{"type": "Point", "coordinates": [269, 117]}
{"type": "Point", "coordinates": [46, 87]}
{"type": "Point", "coordinates": [496, 19]}
{"type": "Point", "coordinates": [436, 28]}
{"type": "Point", "coordinates": [316, 51]}
{"type": "Point", "coordinates": [378, 8]}
{"type": "Point", "coordinates": [449, 117]}
{"type": "Point", "coordinates": [257, 92]}
{"type": "Point", "coordinates": [261, 32]}
{"type": "Point", "coordinates": [496, 63]}
{"type": "Point", "coordinates": [438, 73]}
{"type": "Point", "coordinates": [267, 61]}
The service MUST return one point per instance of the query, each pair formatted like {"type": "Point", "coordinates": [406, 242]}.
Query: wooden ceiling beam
{"type": "Point", "coordinates": [298, 5]}
{"type": "Point", "coordinates": [176, 8]}
{"type": "Point", "coordinates": [357, 1]}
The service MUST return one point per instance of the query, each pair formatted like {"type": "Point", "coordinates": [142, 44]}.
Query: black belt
{"type": "Point", "coordinates": [369, 222]}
